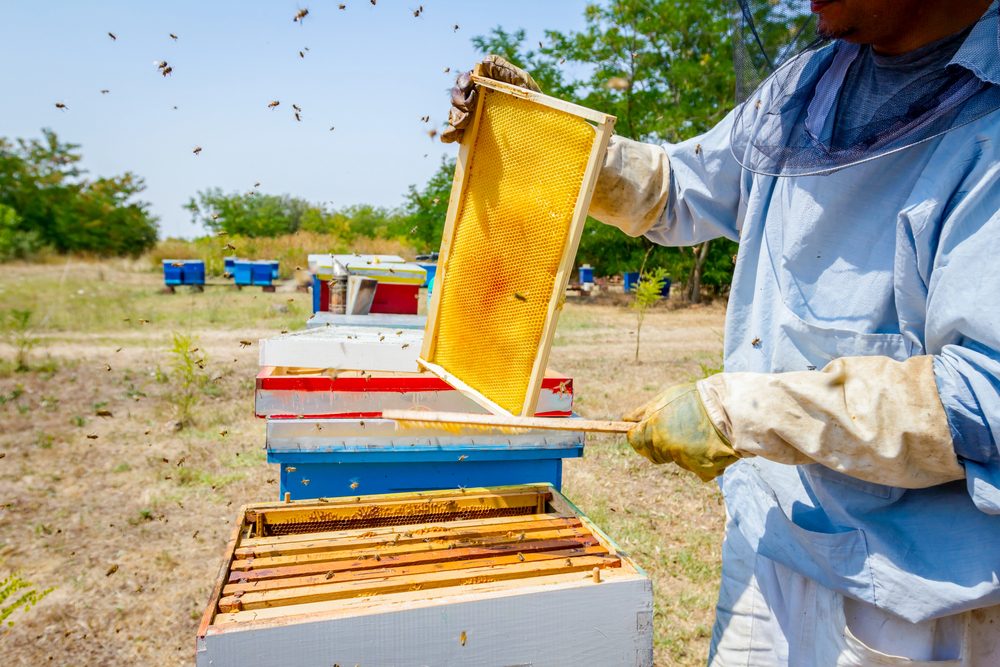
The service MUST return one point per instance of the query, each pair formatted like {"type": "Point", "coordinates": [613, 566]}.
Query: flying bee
{"type": "Point", "coordinates": [462, 457]}
{"type": "Point", "coordinates": [297, 118]}
{"type": "Point", "coordinates": [341, 6]}
{"type": "Point", "coordinates": [306, 482]}
{"type": "Point", "coordinates": [273, 104]}
{"type": "Point", "coordinates": [301, 14]}
{"type": "Point", "coordinates": [111, 570]}
{"type": "Point", "coordinates": [296, 107]}
{"type": "Point", "coordinates": [167, 70]}
{"type": "Point", "coordinates": [520, 557]}
{"type": "Point", "coordinates": [229, 246]}
{"type": "Point", "coordinates": [354, 485]}
{"type": "Point", "coordinates": [432, 134]}
{"type": "Point", "coordinates": [105, 92]}
{"type": "Point", "coordinates": [112, 36]}
{"type": "Point", "coordinates": [463, 634]}
{"type": "Point", "coordinates": [160, 64]}
{"type": "Point", "coordinates": [61, 105]}
{"type": "Point", "coordinates": [146, 432]}
{"type": "Point", "coordinates": [405, 345]}
{"type": "Point", "coordinates": [256, 185]}
{"type": "Point", "coordinates": [104, 413]}
{"type": "Point", "coordinates": [318, 427]}
{"type": "Point", "coordinates": [177, 264]}
{"type": "Point", "coordinates": [373, 3]}
{"type": "Point", "coordinates": [456, 28]}
{"type": "Point", "coordinates": [215, 217]}
{"type": "Point", "coordinates": [197, 151]}
{"type": "Point", "coordinates": [331, 129]}
{"type": "Point", "coordinates": [291, 469]}
{"type": "Point", "coordinates": [697, 149]}
{"type": "Point", "coordinates": [301, 55]}
{"type": "Point", "coordinates": [107, 367]}
{"type": "Point", "coordinates": [195, 536]}
{"type": "Point", "coordinates": [142, 321]}
{"type": "Point", "coordinates": [245, 343]}
{"type": "Point", "coordinates": [223, 432]}
{"type": "Point", "coordinates": [173, 36]}
{"type": "Point", "coordinates": [755, 342]}
{"type": "Point", "coordinates": [447, 69]}
{"type": "Point", "coordinates": [399, 333]}
{"type": "Point", "coordinates": [180, 462]}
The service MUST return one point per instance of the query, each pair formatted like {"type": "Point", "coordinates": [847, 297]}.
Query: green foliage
{"type": "Point", "coordinates": [665, 70]}
{"type": "Point", "coordinates": [16, 331]}
{"type": "Point", "coordinates": [647, 292]}
{"type": "Point", "coordinates": [55, 206]}
{"type": "Point", "coordinates": [186, 363]}
{"type": "Point", "coordinates": [9, 604]}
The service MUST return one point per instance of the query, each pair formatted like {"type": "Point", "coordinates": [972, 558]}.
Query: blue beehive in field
{"type": "Point", "coordinates": [229, 266]}
{"type": "Point", "coordinates": [173, 275]}
{"type": "Point", "coordinates": [262, 272]}
{"type": "Point", "coordinates": [274, 268]}
{"type": "Point", "coordinates": [193, 272]}
{"type": "Point", "coordinates": [243, 271]}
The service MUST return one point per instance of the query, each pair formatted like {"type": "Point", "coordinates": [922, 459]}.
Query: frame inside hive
{"type": "Point", "coordinates": [523, 182]}
{"type": "Point", "coordinates": [289, 559]}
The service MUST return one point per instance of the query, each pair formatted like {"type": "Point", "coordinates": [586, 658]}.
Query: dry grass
{"type": "Point", "coordinates": [73, 507]}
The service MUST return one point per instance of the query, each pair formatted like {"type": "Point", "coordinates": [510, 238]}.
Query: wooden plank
{"type": "Point", "coordinates": [431, 581]}
{"type": "Point", "coordinates": [388, 532]}
{"type": "Point", "coordinates": [558, 296]}
{"type": "Point", "coordinates": [367, 607]}
{"type": "Point", "coordinates": [554, 550]}
{"type": "Point", "coordinates": [227, 560]}
{"type": "Point", "coordinates": [391, 551]}
{"type": "Point", "coordinates": [454, 206]}
{"type": "Point", "coordinates": [399, 536]}
{"type": "Point", "coordinates": [543, 99]}
{"type": "Point", "coordinates": [500, 422]}
{"type": "Point", "coordinates": [391, 510]}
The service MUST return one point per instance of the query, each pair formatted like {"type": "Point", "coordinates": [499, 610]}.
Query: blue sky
{"type": "Point", "coordinates": [370, 72]}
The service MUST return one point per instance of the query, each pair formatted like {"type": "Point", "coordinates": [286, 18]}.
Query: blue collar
{"type": "Point", "coordinates": [980, 54]}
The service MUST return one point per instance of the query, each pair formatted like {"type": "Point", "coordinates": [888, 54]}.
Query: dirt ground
{"type": "Point", "coordinates": [158, 502]}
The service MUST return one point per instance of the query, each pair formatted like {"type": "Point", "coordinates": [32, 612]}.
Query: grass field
{"type": "Point", "coordinates": [158, 501]}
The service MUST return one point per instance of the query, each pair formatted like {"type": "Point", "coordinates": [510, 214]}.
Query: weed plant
{"type": "Point", "coordinates": [9, 603]}
{"type": "Point", "coordinates": [16, 331]}
{"type": "Point", "coordinates": [647, 292]}
{"type": "Point", "coordinates": [185, 362]}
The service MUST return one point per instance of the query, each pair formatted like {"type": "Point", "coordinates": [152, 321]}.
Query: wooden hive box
{"type": "Point", "coordinates": [488, 576]}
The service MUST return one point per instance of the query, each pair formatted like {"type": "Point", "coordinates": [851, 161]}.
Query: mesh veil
{"type": "Point", "coordinates": [788, 85]}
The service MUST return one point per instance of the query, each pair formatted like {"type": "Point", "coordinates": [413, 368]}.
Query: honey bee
{"type": "Point", "coordinates": [61, 105]}
{"type": "Point", "coordinates": [520, 297]}
{"type": "Point", "coordinates": [167, 70]}
{"type": "Point", "coordinates": [377, 557]}
{"type": "Point", "coordinates": [195, 536]}
{"type": "Point", "coordinates": [291, 300]}
{"type": "Point", "coordinates": [755, 342]}
{"type": "Point", "coordinates": [301, 55]}
{"type": "Point", "coordinates": [180, 462]}
{"type": "Point", "coordinates": [306, 482]}
{"type": "Point", "coordinates": [173, 36]}
{"type": "Point", "coordinates": [329, 575]}
{"type": "Point", "coordinates": [297, 118]}
{"type": "Point", "coordinates": [757, 106]}
{"type": "Point", "coordinates": [165, 460]}
{"type": "Point", "coordinates": [105, 92]}
{"type": "Point", "coordinates": [354, 485]}
{"type": "Point", "coordinates": [273, 104]}
{"type": "Point", "coordinates": [520, 557]}
{"type": "Point", "coordinates": [520, 537]}
{"type": "Point", "coordinates": [2, 454]}
{"type": "Point", "coordinates": [160, 64]}
{"type": "Point", "coordinates": [291, 469]}
{"type": "Point", "coordinates": [245, 343]}
{"type": "Point", "coordinates": [405, 345]}
{"type": "Point", "coordinates": [432, 134]}
{"type": "Point", "coordinates": [437, 200]}
{"type": "Point", "coordinates": [215, 217]}
{"type": "Point", "coordinates": [142, 321]}
{"type": "Point", "coordinates": [230, 246]}
{"type": "Point", "coordinates": [256, 185]}
{"type": "Point", "coordinates": [177, 264]}
{"type": "Point", "coordinates": [341, 6]}
{"type": "Point", "coordinates": [223, 432]}
{"type": "Point", "coordinates": [197, 151]}
{"type": "Point", "coordinates": [270, 481]}
{"type": "Point", "coordinates": [697, 149]}
{"type": "Point", "coordinates": [373, 3]}
{"type": "Point", "coordinates": [107, 367]}
{"type": "Point", "coordinates": [104, 413]}
{"type": "Point", "coordinates": [146, 432]}
{"type": "Point", "coordinates": [447, 69]}
{"type": "Point", "coordinates": [111, 570]}
{"type": "Point", "coordinates": [381, 338]}
{"type": "Point", "coordinates": [463, 634]}
{"type": "Point", "coordinates": [301, 14]}
{"type": "Point", "coordinates": [462, 457]}
{"type": "Point", "coordinates": [112, 36]}
{"type": "Point", "coordinates": [318, 427]}
{"type": "Point", "coordinates": [331, 129]}
{"type": "Point", "coordinates": [418, 11]}
{"type": "Point", "coordinates": [456, 28]}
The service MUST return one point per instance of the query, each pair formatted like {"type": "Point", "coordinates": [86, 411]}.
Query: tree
{"type": "Point", "coordinates": [56, 206]}
{"type": "Point", "coordinates": [425, 210]}
{"type": "Point", "coordinates": [665, 69]}
{"type": "Point", "coordinates": [253, 215]}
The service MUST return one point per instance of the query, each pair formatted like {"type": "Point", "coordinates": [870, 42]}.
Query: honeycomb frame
{"type": "Point", "coordinates": [510, 385]}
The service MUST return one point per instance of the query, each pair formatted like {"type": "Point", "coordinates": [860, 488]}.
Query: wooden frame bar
{"type": "Point", "coordinates": [605, 126]}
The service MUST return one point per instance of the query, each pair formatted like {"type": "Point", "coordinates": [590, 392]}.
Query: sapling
{"type": "Point", "coordinates": [646, 293]}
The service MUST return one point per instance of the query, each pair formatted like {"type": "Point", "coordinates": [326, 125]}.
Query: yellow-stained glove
{"type": "Point", "coordinates": [464, 95]}
{"type": "Point", "coordinates": [675, 427]}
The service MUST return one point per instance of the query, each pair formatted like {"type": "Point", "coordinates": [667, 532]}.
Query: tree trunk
{"type": "Point", "coordinates": [694, 278]}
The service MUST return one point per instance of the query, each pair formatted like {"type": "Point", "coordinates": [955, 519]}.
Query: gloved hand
{"type": "Point", "coordinates": [675, 427]}
{"type": "Point", "coordinates": [465, 95]}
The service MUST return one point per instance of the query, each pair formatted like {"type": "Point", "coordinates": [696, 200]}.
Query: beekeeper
{"type": "Point", "coordinates": [858, 415]}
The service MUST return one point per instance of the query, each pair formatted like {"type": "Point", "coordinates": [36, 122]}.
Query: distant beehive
{"type": "Point", "coordinates": [501, 576]}
{"type": "Point", "coordinates": [525, 175]}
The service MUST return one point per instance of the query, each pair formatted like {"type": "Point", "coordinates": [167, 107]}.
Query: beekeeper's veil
{"type": "Point", "coordinates": [788, 87]}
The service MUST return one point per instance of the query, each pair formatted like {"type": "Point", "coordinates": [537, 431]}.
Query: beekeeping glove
{"type": "Point", "coordinates": [633, 186]}
{"type": "Point", "coordinates": [675, 427]}
{"type": "Point", "coordinates": [465, 95]}
{"type": "Point", "coordinates": [872, 418]}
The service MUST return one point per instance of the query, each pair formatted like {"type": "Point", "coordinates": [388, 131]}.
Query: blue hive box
{"type": "Point", "coordinates": [229, 265]}
{"type": "Point", "coordinates": [193, 272]}
{"type": "Point", "coordinates": [274, 269]}
{"type": "Point", "coordinates": [262, 272]}
{"type": "Point", "coordinates": [586, 274]}
{"type": "Point", "coordinates": [431, 270]}
{"type": "Point", "coordinates": [347, 456]}
{"type": "Point", "coordinates": [243, 271]}
{"type": "Point", "coordinates": [173, 275]}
